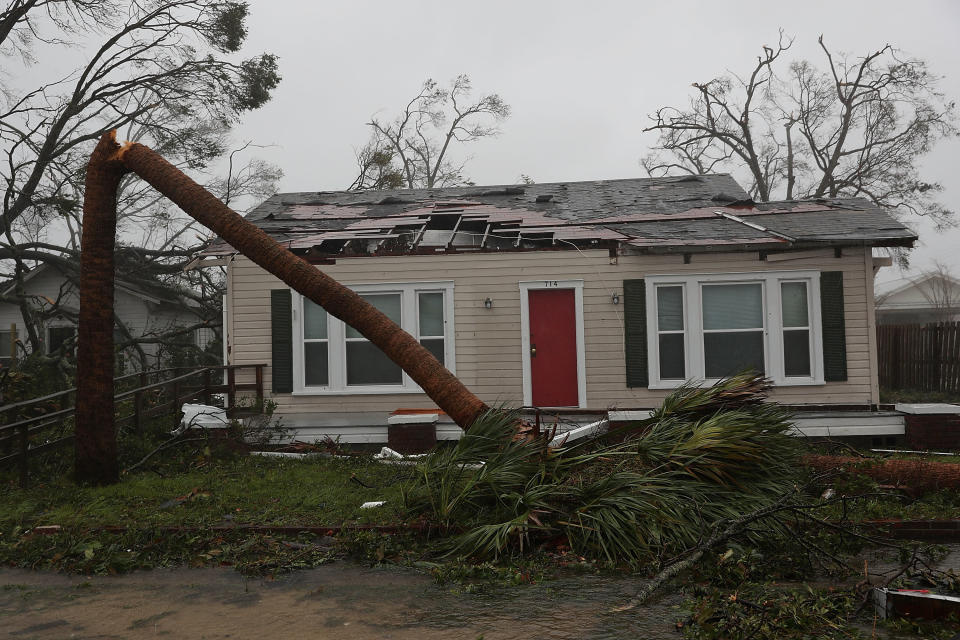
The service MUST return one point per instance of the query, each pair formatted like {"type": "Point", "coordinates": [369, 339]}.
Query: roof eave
{"type": "Point", "coordinates": [768, 246]}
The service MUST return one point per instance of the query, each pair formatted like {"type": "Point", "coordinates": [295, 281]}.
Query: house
{"type": "Point", "coordinates": [582, 296]}
{"type": "Point", "coordinates": [146, 312]}
{"type": "Point", "coordinates": [927, 298]}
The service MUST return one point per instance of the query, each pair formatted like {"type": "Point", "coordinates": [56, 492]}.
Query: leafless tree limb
{"type": "Point", "coordinates": [413, 149]}
{"type": "Point", "coordinates": [857, 128]}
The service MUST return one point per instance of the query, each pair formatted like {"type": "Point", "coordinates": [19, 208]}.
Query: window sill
{"type": "Point", "coordinates": [359, 391]}
{"type": "Point", "coordinates": [674, 384]}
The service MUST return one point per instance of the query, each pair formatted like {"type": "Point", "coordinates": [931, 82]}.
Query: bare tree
{"type": "Point", "coordinates": [941, 289]}
{"type": "Point", "coordinates": [856, 129]}
{"type": "Point", "coordinates": [19, 28]}
{"type": "Point", "coordinates": [412, 150]}
{"type": "Point", "coordinates": [164, 73]}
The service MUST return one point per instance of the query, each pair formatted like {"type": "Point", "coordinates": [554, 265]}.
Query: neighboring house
{"type": "Point", "coordinates": [585, 295]}
{"type": "Point", "coordinates": [927, 298]}
{"type": "Point", "coordinates": [145, 311]}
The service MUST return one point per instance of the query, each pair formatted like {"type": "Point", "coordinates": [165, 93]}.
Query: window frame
{"type": "Point", "coordinates": [694, 354]}
{"type": "Point", "coordinates": [685, 331]}
{"type": "Point", "coordinates": [336, 339]}
{"type": "Point", "coordinates": [56, 326]}
{"type": "Point", "coordinates": [6, 338]}
{"type": "Point", "coordinates": [811, 328]}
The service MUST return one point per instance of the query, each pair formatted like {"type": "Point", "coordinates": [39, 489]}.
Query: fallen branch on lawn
{"type": "Point", "coordinates": [721, 533]}
{"type": "Point", "coordinates": [169, 444]}
{"type": "Point", "coordinates": [727, 529]}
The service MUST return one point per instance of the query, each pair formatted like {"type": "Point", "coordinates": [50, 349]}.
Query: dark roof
{"type": "Point", "coordinates": [705, 213]}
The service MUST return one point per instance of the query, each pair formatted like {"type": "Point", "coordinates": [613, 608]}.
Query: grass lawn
{"type": "Point", "coordinates": [206, 494]}
{"type": "Point", "coordinates": [240, 490]}
{"type": "Point", "coordinates": [234, 491]}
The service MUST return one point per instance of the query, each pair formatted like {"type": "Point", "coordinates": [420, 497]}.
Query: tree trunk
{"type": "Point", "coordinates": [95, 447]}
{"type": "Point", "coordinates": [919, 475]}
{"type": "Point", "coordinates": [442, 386]}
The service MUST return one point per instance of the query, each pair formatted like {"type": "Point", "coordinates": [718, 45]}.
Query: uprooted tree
{"type": "Point", "coordinates": [96, 447]}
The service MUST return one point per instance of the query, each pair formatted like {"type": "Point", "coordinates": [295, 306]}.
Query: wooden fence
{"type": "Point", "coordinates": [44, 424]}
{"type": "Point", "coordinates": [920, 357]}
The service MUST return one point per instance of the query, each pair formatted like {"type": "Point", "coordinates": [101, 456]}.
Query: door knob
{"type": "Point", "coordinates": [533, 351]}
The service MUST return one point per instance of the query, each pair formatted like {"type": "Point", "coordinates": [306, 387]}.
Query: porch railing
{"type": "Point", "coordinates": [42, 424]}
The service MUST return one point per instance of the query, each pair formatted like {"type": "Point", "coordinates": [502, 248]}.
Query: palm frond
{"type": "Point", "coordinates": [706, 456]}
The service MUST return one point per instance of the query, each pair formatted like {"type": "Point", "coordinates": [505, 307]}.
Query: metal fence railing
{"type": "Point", "coordinates": [44, 424]}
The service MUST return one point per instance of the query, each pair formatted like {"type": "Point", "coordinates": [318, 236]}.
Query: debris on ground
{"type": "Point", "coordinates": [202, 416]}
{"type": "Point", "coordinates": [194, 494]}
{"type": "Point", "coordinates": [914, 604]}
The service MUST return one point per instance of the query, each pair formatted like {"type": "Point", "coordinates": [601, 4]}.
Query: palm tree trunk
{"type": "Point", "coordinates": [443, 387]}
{"type": "Point", "coordinates": [95, 447]}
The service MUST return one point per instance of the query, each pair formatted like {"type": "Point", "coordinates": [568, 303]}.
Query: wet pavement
{"type": "Point", "coordinates": [340, 600]}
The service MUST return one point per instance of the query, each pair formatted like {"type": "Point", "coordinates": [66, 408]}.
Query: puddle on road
{"type": "Point", "coordinates": [334, 601]}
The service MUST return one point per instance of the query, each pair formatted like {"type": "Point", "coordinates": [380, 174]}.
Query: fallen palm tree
{"type": "Point", "coordinates": [917, 475]}
{"type": "Point", "coordinates": [96, 450]}
{"type": "Point", "coordinates": [707, 456]}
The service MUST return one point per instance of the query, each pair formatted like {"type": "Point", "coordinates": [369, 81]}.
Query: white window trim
{"type": "Point", "coordinates": [525, 287]}
{"type": "Point", "coordinates": [57, 325]}
{"type": "Point", "coordinates": [772, 329]}
{"type": "Point", "coordinates": [336, 331]}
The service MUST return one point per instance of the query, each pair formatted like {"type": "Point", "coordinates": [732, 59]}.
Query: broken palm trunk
{"type": "Point", "coordinates": [96, 446]}
{"type": "Point", "coordinates": [918, 475]}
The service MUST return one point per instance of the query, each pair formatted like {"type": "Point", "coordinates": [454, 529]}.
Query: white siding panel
{"type": "Point", "coordinates": [488, 340]}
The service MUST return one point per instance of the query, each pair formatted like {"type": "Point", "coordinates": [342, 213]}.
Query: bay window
{"type": "Point", "coordinates": [714, 325]}
{"type": "Point", "coordinates": [331, 357]}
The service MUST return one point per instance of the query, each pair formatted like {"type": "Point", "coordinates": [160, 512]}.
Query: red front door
{"type": "Point", "coordinates": [553, 347]}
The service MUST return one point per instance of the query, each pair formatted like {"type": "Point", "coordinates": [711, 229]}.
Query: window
{"type": "Point", "coordinates": [795, 312]}
{"type": "Point", "coordinates": [57, 336]}
{"type": "Point", "coordinates": [733, 331]}
{"type": "Point", "coordinates": [7, 347]}
{"type": "Point", "coordinates": [711, 326]}
{"type": "Point", "coordinates": [331, 357]}
{"type": "Point", "coordinates": [671, 335]}
{"type": "Point", "coordinates": [366, 364]}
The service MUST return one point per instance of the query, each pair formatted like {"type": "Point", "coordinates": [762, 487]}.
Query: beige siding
{"type": "Point", "coordinates": [488, 357]}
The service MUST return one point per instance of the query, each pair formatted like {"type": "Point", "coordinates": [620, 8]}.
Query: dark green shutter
{"type": "Point", "coordinates": [834, 327]}
{"type": "Point", "coordinates": [635, 332]}
{"type": "Point", "coordinates": [281, 340]}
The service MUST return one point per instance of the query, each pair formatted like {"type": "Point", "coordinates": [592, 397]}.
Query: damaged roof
{"type": "Point", "coordinates": [650, 215]}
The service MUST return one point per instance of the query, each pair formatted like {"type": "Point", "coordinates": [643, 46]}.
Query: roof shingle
{"type": "Point", "coordinates": [648, 214]}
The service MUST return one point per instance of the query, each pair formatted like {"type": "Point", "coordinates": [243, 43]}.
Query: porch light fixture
{"type": "Point", "coordinates": [488, 303]}
{"type": "Point", "coordinates": [615, 298]}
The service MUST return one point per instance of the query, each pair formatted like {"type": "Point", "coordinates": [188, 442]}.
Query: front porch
{"type": "Point", "coordinates": [864, 425]}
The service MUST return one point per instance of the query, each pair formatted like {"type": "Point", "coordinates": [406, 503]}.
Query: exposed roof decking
{"type": "Point", "coordinates": [646, 215]}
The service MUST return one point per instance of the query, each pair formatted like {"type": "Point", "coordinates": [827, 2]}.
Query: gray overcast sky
{"type": "Point", "coordinates": [581, 77]}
